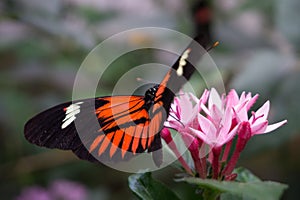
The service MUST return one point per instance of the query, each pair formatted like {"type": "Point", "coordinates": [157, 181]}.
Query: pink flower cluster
{"type": "Point", "coordinates": [209, 127]}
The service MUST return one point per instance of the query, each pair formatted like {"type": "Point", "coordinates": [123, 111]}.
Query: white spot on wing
{"type": "Point", "coordinates": [182, 62]}
{"type": "Point", "coordinates": [71, 111]}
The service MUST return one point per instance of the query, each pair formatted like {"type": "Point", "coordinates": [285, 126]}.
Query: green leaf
{"type": "Point", "coordinates": [244, 175]}
{"type": "Point", "coordinates": [249, 190]}
{"type": "Point", "coordinates": [229, 196]}
{"type": "Point", "coordinates": [145, 187]}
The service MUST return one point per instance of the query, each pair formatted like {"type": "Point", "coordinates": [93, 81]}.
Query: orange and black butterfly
{"type": "Point", "coordinates": [113, 127]}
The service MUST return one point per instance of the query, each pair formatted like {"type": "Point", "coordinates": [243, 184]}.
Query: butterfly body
{"type": "Point", "coordinates": [149, 97]}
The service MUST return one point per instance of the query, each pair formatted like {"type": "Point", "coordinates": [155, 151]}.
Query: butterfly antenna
{"type": "Point", "coordinates": [213, 46]}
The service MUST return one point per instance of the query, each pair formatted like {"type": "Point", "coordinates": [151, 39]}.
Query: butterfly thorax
{"type": "Point", "coordinates": [150, 96]}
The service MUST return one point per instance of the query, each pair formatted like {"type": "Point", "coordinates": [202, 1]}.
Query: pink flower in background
{"type": "Point", "coordinates": [58, 190]}
{"type": "Point", "coordinates": [34, 192]}
{"type": "Point", "coordinates": [68, 190]}
{"type": "Point", "coordinates": [215, 121]}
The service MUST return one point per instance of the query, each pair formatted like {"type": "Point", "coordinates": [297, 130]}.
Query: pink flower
{"type": "Point", "coordinates": [258, 121]}
{"type": "Point", "coordinates": [215, 127]}
{"type": "Point", "coordinates": [182, 117]}
{"type": "Point", "coordinates": [214, 121]}
{"type": "Point", "coordinates": [184, 110]}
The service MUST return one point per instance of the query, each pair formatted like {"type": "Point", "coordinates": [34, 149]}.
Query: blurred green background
{"type": "Point", "coordinates": [43, 43]}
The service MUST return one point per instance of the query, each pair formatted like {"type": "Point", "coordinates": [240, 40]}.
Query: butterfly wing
{"type": "Point", "coordinates": [110, 128]}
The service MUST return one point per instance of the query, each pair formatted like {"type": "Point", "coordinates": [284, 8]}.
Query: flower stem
{"type": "Point", "coordinates": [194, 150]}
{"type": "Point", "coordinates": [244, 134]}
{"type": "Point", "coordinates": [226, 151]}
{"type": "Point", "coordinates": [231, 164]}
{"type": "Point", "coordinates": [203, 159]}
{"type": "Point", "coordinates": [215, 162]}
{"type": "Point", "coordinates": [166, 135]}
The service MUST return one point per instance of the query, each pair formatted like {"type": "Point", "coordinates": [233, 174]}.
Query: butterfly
{"type": "Point", "coordinates": [113, 127]}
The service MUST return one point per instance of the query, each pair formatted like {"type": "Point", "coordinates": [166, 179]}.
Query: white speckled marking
{"type": "Point", "coordinates": [71, 111]}
{"type": "Point", "coordinates": [182, 62]}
